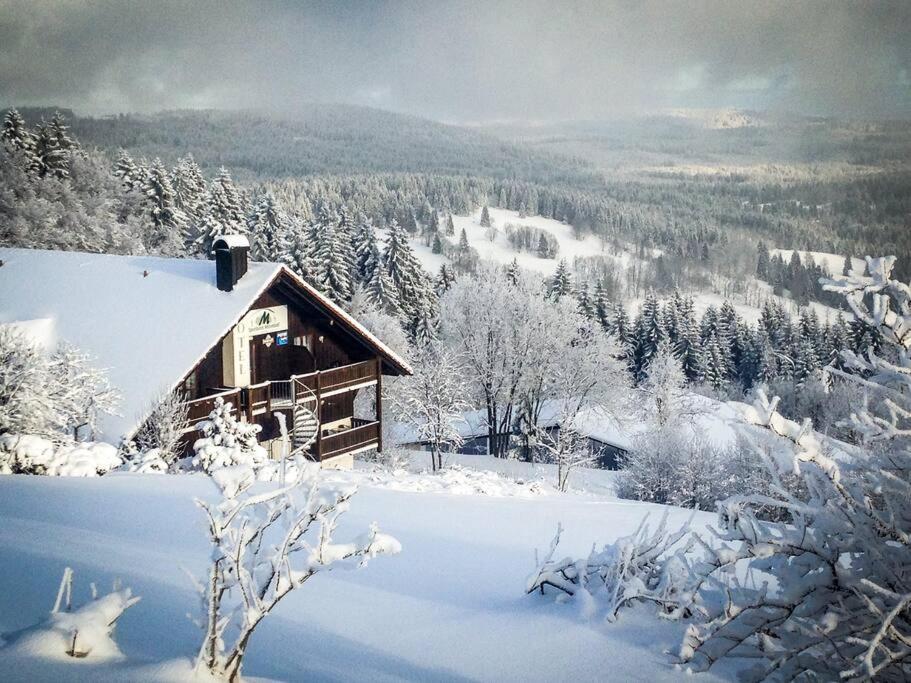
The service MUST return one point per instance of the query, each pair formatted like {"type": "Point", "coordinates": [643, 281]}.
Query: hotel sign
{"type": "Point", "coordinates": [236, 351]}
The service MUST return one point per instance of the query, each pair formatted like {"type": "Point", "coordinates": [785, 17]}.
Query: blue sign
{"type": "Point", "coordinates": [281, 339]}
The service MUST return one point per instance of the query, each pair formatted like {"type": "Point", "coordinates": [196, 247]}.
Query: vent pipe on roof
{"type": "Point", "coordinates": [230, 260]}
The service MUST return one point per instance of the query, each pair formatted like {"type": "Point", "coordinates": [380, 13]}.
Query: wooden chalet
{"type": "Point", "coordinates": [254, 334]}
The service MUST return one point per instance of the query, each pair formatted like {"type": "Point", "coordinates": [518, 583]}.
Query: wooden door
{"type": "Point", "coordinates": [268, 360]}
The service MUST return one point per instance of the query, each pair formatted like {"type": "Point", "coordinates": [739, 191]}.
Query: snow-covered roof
{"type": "Point", "coordinates": [147, 320]}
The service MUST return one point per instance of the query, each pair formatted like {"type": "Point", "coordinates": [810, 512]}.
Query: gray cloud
{"type": "Point", "coordinates": [457, 60]}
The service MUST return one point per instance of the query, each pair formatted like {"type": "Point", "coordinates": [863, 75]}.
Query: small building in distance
{"type": "Point", "coordinates": [254, 334]}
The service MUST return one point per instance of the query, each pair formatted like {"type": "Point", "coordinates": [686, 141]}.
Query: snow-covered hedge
{"type": "Point", "coordinates": [30, 454]}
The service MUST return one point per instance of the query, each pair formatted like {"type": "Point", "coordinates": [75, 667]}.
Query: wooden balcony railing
{"type": "Point", "coordinates": [199, 409]}
{"type": "Point", "coordinates": [366, 434]}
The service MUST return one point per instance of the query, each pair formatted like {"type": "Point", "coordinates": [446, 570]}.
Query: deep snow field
{"type": "Point", "coordinates": [450, 607]}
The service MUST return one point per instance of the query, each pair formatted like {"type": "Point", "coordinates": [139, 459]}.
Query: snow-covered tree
{"type": "Point", "coordinates": [269, 231]}
{"type": "Point", "coordinates": [168, 227]}
{"type": "Point", "coordinates": [16, 134]}
{"type": "Point", "coordinates": [264, 546]}
{"type": "Point", "coordinates": [434, 399]}
{"type": "Point", "coordinates": [840, 559]}
{"type": "Point", "coordinates": [561, 283]}
{"type": "Point", "coordinates": [128, 172]}
{"type": "Point", "coordinates": [485, 217]}
{"type": "Point", "coordinates": [226, 441]}
{"type": "Point", "coordinates": [165, 427]}
{"type": "Point", "coordinates": [53, 396]}
{"type": "Point", "coordinates": [80, 391]}
{"type": "Point", "coordinates": [26, 405]}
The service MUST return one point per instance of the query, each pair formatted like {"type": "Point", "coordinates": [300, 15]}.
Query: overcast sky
{"type": "Point", "coordinates": [460, 61]}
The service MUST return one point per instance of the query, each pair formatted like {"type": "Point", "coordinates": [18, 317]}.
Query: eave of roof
{"type": "Point", "coordinates": [352, 325]}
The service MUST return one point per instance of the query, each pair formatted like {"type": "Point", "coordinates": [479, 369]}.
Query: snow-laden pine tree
{"type": "Point", "coordinates": [485, 217]}
{"type": "Point", "coordinates": [366, 251]}
{"type": "Point", "coordinates": [190, 192]}
{"type": "Point", "coordinates": [825, 594]}
{"type": "Point", "coordinates": [449, 226]}
{"type": "Point", "coordinates": [128, 172]}
{"type": "Point", "coordinates": [226, 207]}
{"type": "Point", "coordinates": [168, 227]}
{"type": "Point", "coordinates": [331, 258]}
{"type": "Point", "coordinates": [444, 280]}
{"type": "Point", "coordinates": [380, 292]}
{"type": "Point", "coordinates": [648, 332]}
{"type": "Point", "coordinates": [16, 134]}
{"type": "Point", "coordinates": [269, 232]}
{"type": "Point", "coordinates": [561, 284]}
{"type": "Point", "coordinates": [415, 293]}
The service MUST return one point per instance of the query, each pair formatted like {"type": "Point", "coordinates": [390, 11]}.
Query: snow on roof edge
{"type": "Point", "coordinates": [268, 283]}
{"type": "Point", "coordinates": [344, 315]}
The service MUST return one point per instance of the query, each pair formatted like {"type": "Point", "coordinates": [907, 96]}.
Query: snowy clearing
{"type": "Point", "coordinates": [450, 607]}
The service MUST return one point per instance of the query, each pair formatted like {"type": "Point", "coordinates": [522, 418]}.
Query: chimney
{"type": "Point", "coordinates": [230, 260]}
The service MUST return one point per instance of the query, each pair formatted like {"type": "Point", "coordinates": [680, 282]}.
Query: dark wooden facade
{"type": "Point", "coordinates": [324, 358]}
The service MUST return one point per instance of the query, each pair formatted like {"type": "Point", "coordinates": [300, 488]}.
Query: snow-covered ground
{"type": "Point", "coordinates": [501, 251]}
{"type": "Point", "coordinates": [450, 607]}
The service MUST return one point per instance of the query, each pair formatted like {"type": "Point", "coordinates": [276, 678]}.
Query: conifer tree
{"type": "Point", "coordinates": [586, 308]}
{"type": "Point", "coordinates": [226, 206]}
{"type": "Point", "coordinates": [648, 333]}
{"type": "Point", "coordinates": [16, 134]}
{"type": "Point", "coordinates": [366, 251]}
{"type": "Point", "coordinates": [445, 278]}
{"type": "Point", "coordinates": [168, 223]}
{"type": "Point", "coordinates": [762, 261]}
{"type": "Point", "coordinates": [269, 232]}
{"type": "Point", "coordinates": [561, 283]}
{"type": "Point", "coordinates": [129, 173]}
{"type": "Point", "coordinates": [450, 226]}
{"type": "Point", "coordinates": [485, 217]}
{"type": "Point", "coordinates": [463, 255]}
{"type": "Point", "coordinates": [601, 307]}
{"type": "Point", "coordinates": [436, 244]}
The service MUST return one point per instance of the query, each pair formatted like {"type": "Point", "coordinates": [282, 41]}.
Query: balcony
{"type": "Point", "coordinates": [258, 402]}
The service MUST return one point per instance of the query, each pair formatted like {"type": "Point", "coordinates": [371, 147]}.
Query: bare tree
{"type": "Point", "coordinates": [433, 400]}
{"type": "Point", "coordinates": [265, 546]}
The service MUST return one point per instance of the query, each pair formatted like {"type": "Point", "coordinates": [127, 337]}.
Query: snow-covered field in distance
{"type": "Point", "coordinates": [450, 607]}
{"type": "Point", "coordinates": [832, 262]}
{"type": "Point", "coordinates": [501, 251]}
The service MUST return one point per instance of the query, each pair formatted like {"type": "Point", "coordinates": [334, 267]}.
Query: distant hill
{"type": "Point", "coordinates": [325, 139]}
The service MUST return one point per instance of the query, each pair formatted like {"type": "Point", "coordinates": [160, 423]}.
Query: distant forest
{"type": "Point", "coordinates": [705, 223]}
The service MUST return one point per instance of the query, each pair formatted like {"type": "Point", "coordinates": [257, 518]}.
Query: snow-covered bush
{"type": "Point", "coordinates": [84, 632]}
{"type": "Point", "coordinates": [567, 449]}
{"type": "Point", "coordinates": [226, 441]}
{"type": "Point", "coordinates": [264, 546]}
{"type": "Point", "coordinates": [57, 397]}
{"type": "Point", "coordinates": [643, 566]}
{"type": "Point", "coordinates": [165, 426]}
{"type": "Point", "coordinates": [30, 454]}
{"type": "Point", "coordinates": [826, 593]}
{"type": "Point", "coordinates": [675, 467]}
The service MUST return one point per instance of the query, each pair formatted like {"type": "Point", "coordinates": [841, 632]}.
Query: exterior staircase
{"type": "Point", "coordinates": [306, 427]}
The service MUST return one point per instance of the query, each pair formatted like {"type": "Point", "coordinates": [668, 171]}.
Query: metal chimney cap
{"type": "Point", "coordinates": [231, 242]}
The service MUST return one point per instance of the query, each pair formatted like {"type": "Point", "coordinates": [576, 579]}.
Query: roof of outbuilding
{"type": "Point", "coordinates": [147, 320]}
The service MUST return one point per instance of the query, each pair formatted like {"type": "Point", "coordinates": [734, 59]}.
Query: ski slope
{"type": "Point", "coordinates": [450, 607]}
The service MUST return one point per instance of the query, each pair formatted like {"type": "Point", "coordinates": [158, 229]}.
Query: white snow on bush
{"type": "Point", "coordinates": [34, 454]}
